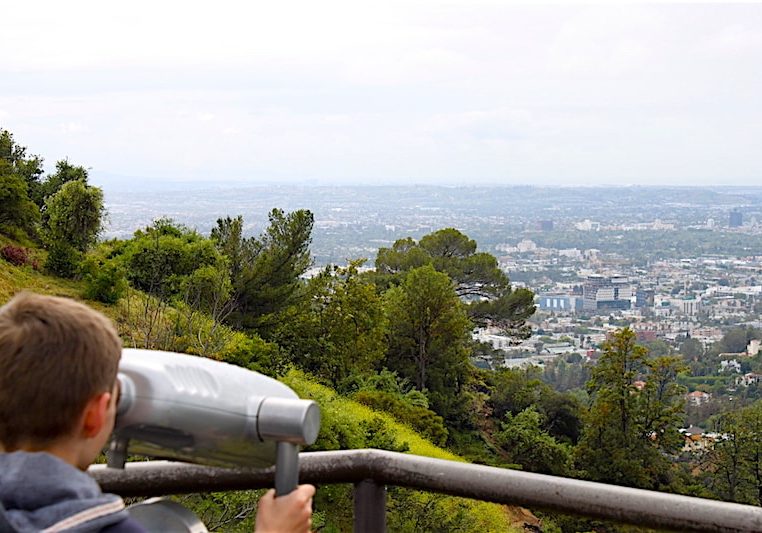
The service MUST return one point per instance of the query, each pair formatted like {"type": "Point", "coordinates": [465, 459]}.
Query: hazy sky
{"type": "Point", "coordinates": [449, 92]}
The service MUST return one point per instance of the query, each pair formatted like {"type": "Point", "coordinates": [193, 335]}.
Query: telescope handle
{"type": "Point", "coordinates": [286, 468]}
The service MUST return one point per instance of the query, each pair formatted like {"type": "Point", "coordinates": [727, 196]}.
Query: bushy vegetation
{"type": "Point", "coordinates": [18, 256]}
{"type": "Point", "coordinates": [61, 211]}
{"type": "Point", "coordinates": [347, 424]}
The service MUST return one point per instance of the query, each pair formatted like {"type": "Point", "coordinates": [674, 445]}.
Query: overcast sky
{"type": "Point", "coordinates": [446, 92]}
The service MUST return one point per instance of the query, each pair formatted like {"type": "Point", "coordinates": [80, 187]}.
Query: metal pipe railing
{"type": "Point", "coordinates": [379, 468]}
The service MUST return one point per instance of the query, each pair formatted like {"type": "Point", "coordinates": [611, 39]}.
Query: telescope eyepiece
{"type": "Point", "coordinates": [126, 394]}
{"type": "Point", "coordinates": [288, 420]}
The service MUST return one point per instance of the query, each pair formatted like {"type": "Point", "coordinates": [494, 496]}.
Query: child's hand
{"type": "Point", "coordinates": [291, 513]}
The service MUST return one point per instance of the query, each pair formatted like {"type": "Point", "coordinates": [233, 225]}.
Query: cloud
{"type": "Point", "coordinates": [73, 128]}
{"type": "Point", "coordinates": [607, 41]}
{"type": "Point", "coordinates": [486, 124]}
{"type": "Point", "coordinates": [386, 91]}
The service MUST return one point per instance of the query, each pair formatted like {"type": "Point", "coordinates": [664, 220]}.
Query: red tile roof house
{"type": "Point", "coordinates": [698, 398]}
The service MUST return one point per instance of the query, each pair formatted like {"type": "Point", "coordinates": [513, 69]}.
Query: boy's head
{"type": "Point", "coordinates": [56, 357]}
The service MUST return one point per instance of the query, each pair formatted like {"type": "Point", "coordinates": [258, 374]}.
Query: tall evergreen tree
{"type": "Point", "coordinates": [632, 422]}
{"type": "Point", "coordinates": [429, 336]}
{"type": "Point", "coordinates": [270, 266]}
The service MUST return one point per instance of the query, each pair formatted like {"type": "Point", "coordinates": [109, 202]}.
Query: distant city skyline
{"type": "Point", "coordinates": [417, 92]}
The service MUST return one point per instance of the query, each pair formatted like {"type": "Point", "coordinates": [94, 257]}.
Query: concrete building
{"type": "Point", "coordinates": [688, 306]}
{"type": "Point", "coordinates": [564, 303]}
{"type": "Point", "coordinates": [751, 378]}
{"type": "Point", "coordinates": [588, 225]}
{"type": "Point", "coordinates": [526, 246]}
{"type": "Point", "coordinates": [602, 293]}
{"type": "Point", "coordinates": [753, 348]}
{"type": "Point", "coordinates": [644, 298]}
{"type": "Point", "coordinates": [571, 253]}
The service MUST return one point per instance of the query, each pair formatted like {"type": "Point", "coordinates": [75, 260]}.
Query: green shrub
{"type": "Point", "coordinates": [104, 281]}
{"type": "Point", "coordinates": [424, 421]}
{"type": "Point", "coordinates": [63, 260]}
{"type": "Point", "coordinates": [253, 353]}
{"type": "Point", "coordinates": [347, 424]}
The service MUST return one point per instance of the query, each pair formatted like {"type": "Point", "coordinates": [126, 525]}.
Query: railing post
{"type": "Point", "coordinates": [370, 507]}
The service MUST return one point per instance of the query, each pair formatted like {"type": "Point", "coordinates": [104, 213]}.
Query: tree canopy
{"type": "Point", "coordinates": [338, 331]}
{"type": "Point", "coordinates": [477, 277]}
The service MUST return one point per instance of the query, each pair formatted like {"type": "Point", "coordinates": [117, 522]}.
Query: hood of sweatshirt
{"type": "Point", "coordinates": [43, 493]}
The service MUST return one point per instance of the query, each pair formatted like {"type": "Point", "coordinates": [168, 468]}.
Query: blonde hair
{"type": "Point", "coordinates": [55, 355]}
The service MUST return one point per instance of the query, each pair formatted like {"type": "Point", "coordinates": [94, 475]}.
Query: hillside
{"type": "Point", "coordinates": [346, 424]}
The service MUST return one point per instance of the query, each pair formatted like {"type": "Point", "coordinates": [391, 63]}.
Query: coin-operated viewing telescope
{"type": "Point", "coordinates": [199, 410]}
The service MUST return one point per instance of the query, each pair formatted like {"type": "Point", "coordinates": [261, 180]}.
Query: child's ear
{"type": "Point", "coordinates": [94, 416]}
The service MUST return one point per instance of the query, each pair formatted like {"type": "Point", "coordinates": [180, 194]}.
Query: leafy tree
{"type": "Point", "coordinates": [629, 428]}
{"type": "Point", "coordinates": [657, 348]}
{"type": "Point", "coordinates": [566, 374]}
{"type": "Point", "coordinates": [429, 336]}
{"type": "Point", "coordinates": [250, 351]}
{"type": "Point", "coordinates": [72, 223]}
{"type": "Point", "coordinates": [736, 340]}
{"type": "Point", "coordinates": [727, 457]}
{"type": "Point", "coordinates": [403, 256]}
{"type": "Point", "coordinates": [203, 303]}
{"type": "Point", "coordinates": [476, 276]}
{"type": "Point", "coordinates": [160, 258]}
{"type": "Point", "coordinates": [385, 391]}
{"type": "Point", "coordinates": [208, 289]}
{"type": "Point", "coordinates": [63, 260]}
{"type": "Point", "coordinates": [28, 168]}
{"type": "Point", "coordinates": [65, 172]}
{"type": "Point", "coordinates": [660, 407]}
{"type": "Point", "coordinates": [692, 348]}
{"type": "Point", "coordinates": [449, 251]}
{"type": "Point", "coordinates": [74, 215]}
{"type": "Point", "coordinates": [509, 312]}
{"type": "Point", "coordinates": [561, 416]}
{"type": "Point", "coordinates": [339, 330]}
{"type": "Point", "coordinates": [16, 209]}
{"type": "Point", "coordinates": [174, 266]}
{"type": "Point", "coordinates": [515, 390]}
{"type": "Point", "coordinates": [734, 464]}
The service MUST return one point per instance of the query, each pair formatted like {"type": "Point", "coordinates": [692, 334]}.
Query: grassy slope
{"type": "Point", "coordinates": [340, 412]}
{"type": "Point", "coordinates": [337, 411]}
{"type": "Point", "coordinates": [15, 279]}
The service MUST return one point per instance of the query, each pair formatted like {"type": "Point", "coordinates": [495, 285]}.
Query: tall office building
{"type": "Point", "coordinates": [736, 219]}
{"type": "Point", "coordinates": [601, 293]}
{"type": "Point", "coordinates": [644, 297]}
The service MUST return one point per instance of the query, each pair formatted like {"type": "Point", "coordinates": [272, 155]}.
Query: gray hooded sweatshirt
{"type": "Point", "coordinates": [40, 492]}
